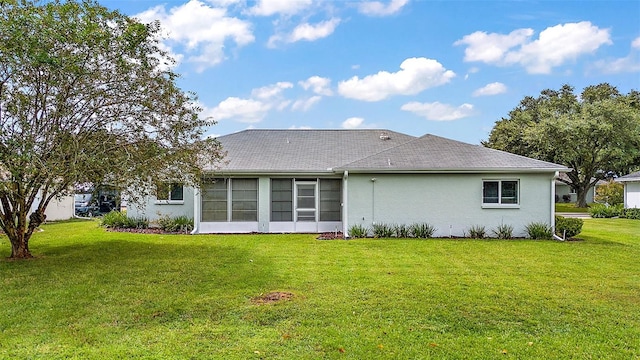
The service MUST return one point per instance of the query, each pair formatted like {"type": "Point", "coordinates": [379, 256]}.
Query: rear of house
{"type": "Point", "coordinates": [329, 180]}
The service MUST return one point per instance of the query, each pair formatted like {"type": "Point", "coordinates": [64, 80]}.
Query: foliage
{"type": "Point", "coordinates": [87, 95]}
{"type": "Point", "coordinates": [402, 230]}
{"type": "Point", "coordinates": [422, 230]}
{"type": "Point", "coordinates": [611, 193]}
{"type": "Point", "coordinates": [358, 231]}
{"type": "Point", "coordinates": [175, 224]}
{"type": "Point", "coordinates": [503, 231]}
{"type": "Point", "coordinates": [539, 231]}
{"type": "Point", "coordinates": [382, 230]}
{"type": "Point", "coordinates": [120, 220]}
{"type": "Point", "coordinates": [605, 211]}
{"type": "Point", "coordinates": [477, 232]}
{"type": "Point", "coordinates": [633, 213]}
{"type": "Point", "coordinates": [571, 208]}
{"type": "Point", "coordinates": [142, 296]}
{"type": "Point", "coordinates": [594, 134]}
{"type": "Point", "coordinates": [568, 227]}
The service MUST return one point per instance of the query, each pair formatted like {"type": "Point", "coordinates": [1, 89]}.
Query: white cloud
{"type": "Point", "coordinates": [491, 89]}
{"type": "Point", "coordinates": [303, 127]}
{"type": "Point", "coordinates": [555, 46]}
{"type": "Point", "coordinates": [282, 7]}
{"type": "Point", "coordinates": [353, 123]}
{"type": "Point", "coordinates": [271, 91]}
{"type": "Point", "coordinates": [437, 111]}
{"type": "Point", "coordinates": [305, 104]}
{"type": "Point", "coordinates": [244, 110]}
{"type": "Point", "coordinates": [318, 85]}
{"type": "Point", "coordinates": [491, 48]}
{"type": "Point", "coordinates": [200, 30]}
{"type": "Point", "coordinates": [306, 32]}
{"type": "Point", "coordinates": [415, 75]}
{"type": "Point", "coordinates": [377, 8]}
{"type": "Point", "coordinates": [254, 109]}
{"type": "Point", "coordinates": [630, 63]}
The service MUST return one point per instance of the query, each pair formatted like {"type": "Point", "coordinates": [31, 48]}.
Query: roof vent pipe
{"type": "Point", "coordinates": [384, 136]}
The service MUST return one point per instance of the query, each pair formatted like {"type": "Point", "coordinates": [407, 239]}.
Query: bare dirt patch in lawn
{"type": "Point", "coordinates": [272, 297]}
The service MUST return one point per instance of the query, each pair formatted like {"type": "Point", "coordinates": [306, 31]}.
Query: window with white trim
{"type": "Point", "coordinates": [169, 191]}
{"type": "Point", "coordinates": [500, 192]}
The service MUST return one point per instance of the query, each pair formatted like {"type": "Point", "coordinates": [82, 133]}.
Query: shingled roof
{"type": "Point", "coordinates": [631, 177]}
{"type": "Point", "coordinates": [318, 151]}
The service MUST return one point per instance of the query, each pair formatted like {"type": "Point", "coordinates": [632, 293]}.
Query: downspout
{"type": "Point", "coordinates": [553, 207]}
{"type": "Point", "coordinates": [196, 211]}
{"type": "Point", "coordinates": [345, 205]}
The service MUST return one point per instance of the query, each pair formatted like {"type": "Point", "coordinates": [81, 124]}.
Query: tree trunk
{"type": "Point", "coordinates": [581, 200]}
{"type": "Point", "coordinates": [20, 248]}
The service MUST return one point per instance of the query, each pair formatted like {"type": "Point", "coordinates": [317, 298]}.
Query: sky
{"type": "Point", "coordinates": [447, 68]}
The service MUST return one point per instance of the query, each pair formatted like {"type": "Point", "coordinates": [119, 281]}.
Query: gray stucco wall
{"type": "Point", "coordinates": [154, 209]}
{"type": "Point", "coordinates": [452, 203]}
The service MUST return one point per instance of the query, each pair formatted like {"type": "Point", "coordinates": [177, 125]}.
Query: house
{"type": "Point", "coordinates": [567, 193]}
{"type": "Point", "coordinates": [631, 190]}
{"type": "Point", "coordinates": [61, 208]}
{"type": "Point", "coordinates": [311, 181]}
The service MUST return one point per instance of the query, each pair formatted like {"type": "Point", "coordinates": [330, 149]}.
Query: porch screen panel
{"type": "Point", "coordinates": [244, 200]}
{"type": "Point", "coordinates": [306, 202]}
{"type": "Point", "coordinates": [214, 200]}
{"type": "Point", "coordinates": [281, 199]}
{"type": "Point", "coordinates": [330, 199]}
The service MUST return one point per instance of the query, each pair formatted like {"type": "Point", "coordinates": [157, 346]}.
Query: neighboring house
{"type": "Point", "coordinates": [566, 191]}
{"type": "Point", "coordinates": [58, 208]}
{"type": "Point", "coordinates": [329, 180]}
{"type": "Point", "coordinates": [631, 190]}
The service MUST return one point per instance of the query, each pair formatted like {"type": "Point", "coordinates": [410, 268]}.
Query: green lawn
{"type": "Point", "coordinates": [96, 294]}
{"type": "Point", "coordinates": [571, 208]}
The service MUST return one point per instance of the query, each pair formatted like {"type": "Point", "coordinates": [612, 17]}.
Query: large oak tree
{"type": "Point", "coordinates": [87, 95]}
{"type": "Point", "coordinates": [594, 134]}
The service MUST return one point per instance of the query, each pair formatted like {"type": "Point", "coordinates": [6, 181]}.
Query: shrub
{"type": "Point", "coordinates": [611, 193]}
{"type": "Point", "coordinates": [566, 198]}
{"type": "Point", "coordinates": [358, 231]}
{"type": "Point", "coordinates": [477, 232]}
{"type": "Point", "coordinates": [569, 227]}
{"type": "Point", "coordinates": [422, 230]}
{"type": "Point", "coordinates": [402, 231]}
{"type": "Point", "coordinates": [117, 219]}
{"type": "Point", "coordinates": [176, 224]}
{"type": "Point", "coordinates": [605, 211]}
{"type": "Point", "coordinates": [538, 230]}
{"type": "Point", "coordinates": [381, 230]}
{"type": "Point", "coordinates": [503, 232]}
{"type": "Point", "coordinates": [630, 214]}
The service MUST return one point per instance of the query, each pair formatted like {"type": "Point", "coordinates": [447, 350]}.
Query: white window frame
{"type": "Point", "coordinates": [499, 204]}
{"type": "Point", "coordinates": [168, 200]}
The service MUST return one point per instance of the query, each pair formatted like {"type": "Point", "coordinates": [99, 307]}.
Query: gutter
{"type": "Point", "coordinates": [345, 205]}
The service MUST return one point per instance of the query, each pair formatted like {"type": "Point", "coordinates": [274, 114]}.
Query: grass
{"type": "Point", "coordinates": [97, 294]}
{"type": "Point", "coordinates": [571, 208]}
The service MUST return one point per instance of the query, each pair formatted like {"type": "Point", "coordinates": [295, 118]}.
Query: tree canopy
{"type": "Point", "coordinates": [594, 134]}
{"type": "Point", "coordinates": [88, 95]}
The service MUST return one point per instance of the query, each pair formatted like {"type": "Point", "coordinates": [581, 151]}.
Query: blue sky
{"type": "Point", "coordinates": [448, 68]}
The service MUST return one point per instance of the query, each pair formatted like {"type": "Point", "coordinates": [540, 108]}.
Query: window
{"type": "Point", "coordinates": [281, 199]}
{"type": "Point", "coordinates": [500, 192]}
{"type": "Point", "coordinates": [244, 200]}
{"type": "Point", "coordinates": [230, 200]}
{"type": "Point", "coordinates": [169, 191]}
{"type": "Point", "coordinates": [330, 200]}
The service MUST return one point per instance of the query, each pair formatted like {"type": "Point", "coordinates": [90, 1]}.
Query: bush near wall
{"type": "Point", "coordinates": [568, 227]}
{"type": "Point", "coordinates": [630, 214]}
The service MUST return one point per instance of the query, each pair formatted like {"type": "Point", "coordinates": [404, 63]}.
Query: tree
{"type": "Point", "coordinates": [595, 134]}
{"type": "Point", "coordinates": [87, 95]}
{"type": "Point", "coordinates": [611, 193]}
